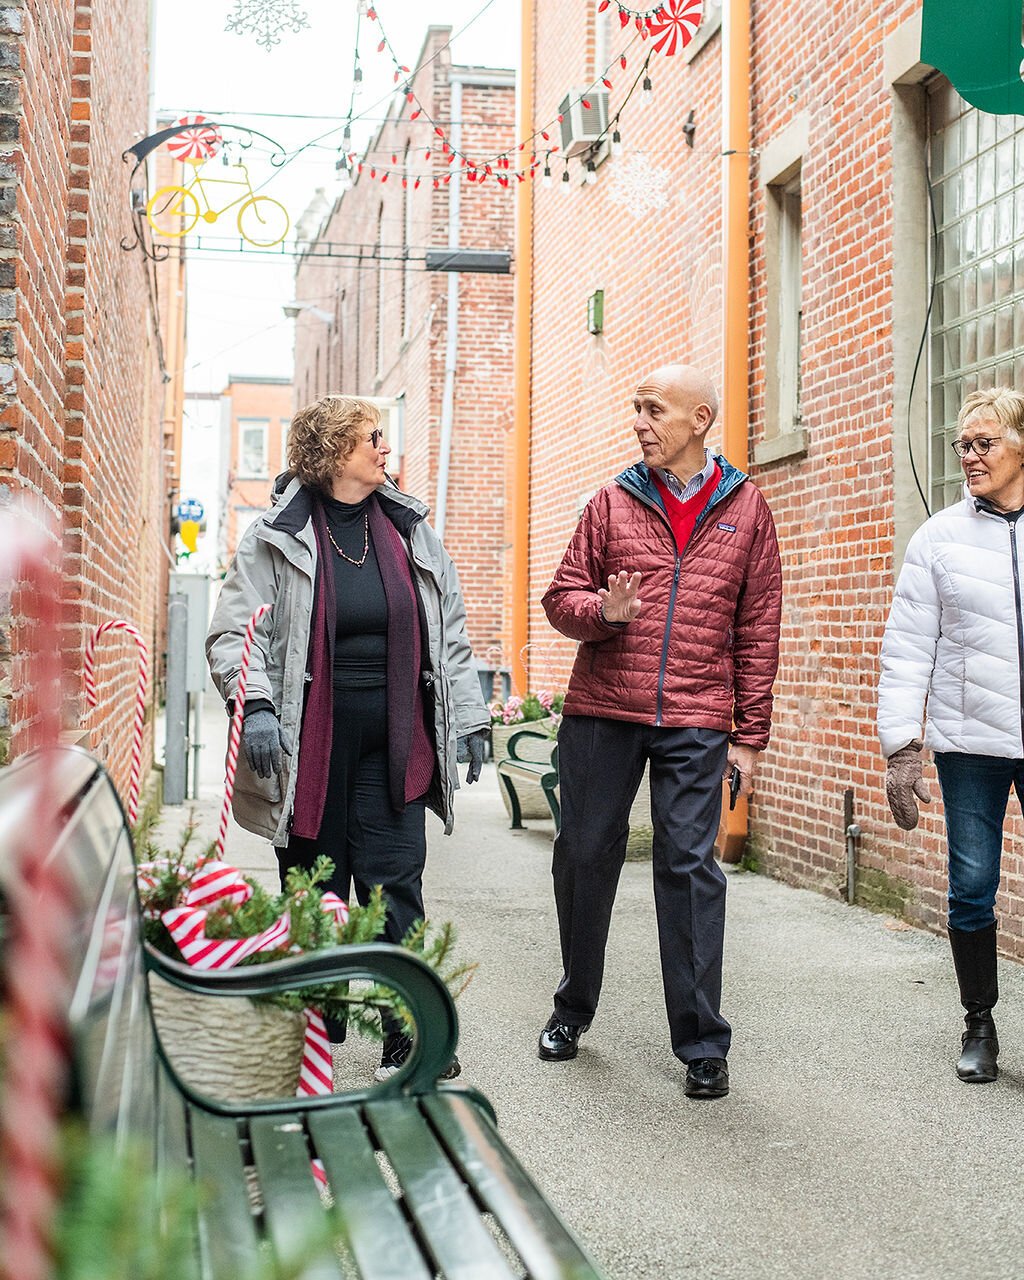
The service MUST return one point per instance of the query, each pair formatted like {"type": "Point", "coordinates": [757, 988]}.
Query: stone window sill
{"type": "Point", "coordinates": [791, 444]}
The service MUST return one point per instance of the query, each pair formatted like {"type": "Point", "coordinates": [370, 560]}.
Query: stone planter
{"type": "Point", "coordinates": [229, 1047]}
{"type": "Point", "coordinates": [531, 798]}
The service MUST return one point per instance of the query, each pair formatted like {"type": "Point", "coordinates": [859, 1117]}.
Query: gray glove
{"type": "Point", "coordinates": [264, 740]}
{"type": "Point", "coordinates": [472, 748]}
{"type": "Point", "coordinates": [904, 782]}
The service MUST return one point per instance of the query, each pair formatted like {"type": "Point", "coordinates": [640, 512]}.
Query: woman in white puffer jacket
{"type": "Point", "coordinates": [955, 640]}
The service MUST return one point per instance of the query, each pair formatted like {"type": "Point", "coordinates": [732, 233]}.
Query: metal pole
{"type": "Point", "coordinates": [197, 746]}
{"type": "Point", "coordinates": [176, 711]}
{"type": "Point", "coordinates": [853, 834]}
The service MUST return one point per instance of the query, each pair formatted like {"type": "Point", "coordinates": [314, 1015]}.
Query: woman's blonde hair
{"type": "Point", "coordinates": [323, 435]}
{"type": "Point", "coordinates": [1005, 405]}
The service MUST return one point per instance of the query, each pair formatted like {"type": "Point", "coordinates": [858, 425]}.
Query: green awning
{"type": "Point", "coordinates": [979, 48]}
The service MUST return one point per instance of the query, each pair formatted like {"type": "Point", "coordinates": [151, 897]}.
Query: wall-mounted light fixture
{"type": "Point", "coordinates": [689, 128]}
{"type": "Point", "coordinates": [595, 311]}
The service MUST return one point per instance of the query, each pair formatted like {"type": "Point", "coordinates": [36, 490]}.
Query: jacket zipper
{"type": "Point", "coordinates": [1020, 624]}
{"type": "Point", "coordinates": [667, 634]}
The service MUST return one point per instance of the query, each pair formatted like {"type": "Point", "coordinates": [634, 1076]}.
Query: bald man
{"type": "Point", "coordinates": [673, 587]}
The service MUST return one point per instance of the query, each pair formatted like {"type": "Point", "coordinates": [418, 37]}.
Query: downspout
{"type": "Point", "coordinates": [519, 581]}
{"type": "Point", "coordinates": [736, 279]}
{"type": "Point", "coordinates": [451, 350]}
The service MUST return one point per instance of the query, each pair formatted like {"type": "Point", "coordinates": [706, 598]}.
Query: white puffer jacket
{"type": "Point", "coordinates": [955, 638]}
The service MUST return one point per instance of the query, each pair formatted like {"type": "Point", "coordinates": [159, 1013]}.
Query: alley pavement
{"type": "Point", "coordinates": [847, 1147]}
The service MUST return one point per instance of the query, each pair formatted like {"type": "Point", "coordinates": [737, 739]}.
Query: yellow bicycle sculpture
{"type": "Point", "coordinates": [173, 211]}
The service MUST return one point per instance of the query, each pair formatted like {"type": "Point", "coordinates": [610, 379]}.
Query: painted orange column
{"type": "Point", "coordinates": [736, 280]}
{"type": "Point", "coordinates": [521, 369]}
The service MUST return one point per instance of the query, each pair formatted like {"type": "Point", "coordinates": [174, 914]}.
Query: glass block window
{"type": "Point", "coordinates": [976, 163]}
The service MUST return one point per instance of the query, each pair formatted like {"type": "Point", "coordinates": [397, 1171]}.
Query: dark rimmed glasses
{"type": "Point", "coordinates": [980, 445]}
{"type": "Point", "coordinates": [375, 436]}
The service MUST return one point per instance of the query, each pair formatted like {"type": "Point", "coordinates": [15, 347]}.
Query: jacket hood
{"type": "Point", "coordinates": [292, 505]}
{"type": "Point", "coordinates": [638, 478]}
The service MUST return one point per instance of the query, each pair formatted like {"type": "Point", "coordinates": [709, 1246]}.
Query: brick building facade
{"type": "Point", "coordinates": [87, 398]}
{"type": "Point", "coordinates": [846, 126]}
{"type": "Point", "coordinates": [255, 415]}
{"type": "Point", "coordinates": [434, 348]}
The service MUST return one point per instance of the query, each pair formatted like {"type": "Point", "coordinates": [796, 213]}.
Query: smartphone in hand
{"type": "Point", "coordinates": [735, 779]}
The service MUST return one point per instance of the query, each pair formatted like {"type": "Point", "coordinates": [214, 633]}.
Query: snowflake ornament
{"type": "Point", "coordinates": [266, 19]}
{"type": "Point", "coordinates": [640, 186]}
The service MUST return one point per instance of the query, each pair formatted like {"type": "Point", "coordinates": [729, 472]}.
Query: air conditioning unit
{"type": "Point", "coordinates": [583, 125]}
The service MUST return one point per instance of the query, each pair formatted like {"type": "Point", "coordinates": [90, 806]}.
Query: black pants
{"type": "Point", "coordinates": [367, 840]}
{"type": "Point", "coordinates": [600, 764]}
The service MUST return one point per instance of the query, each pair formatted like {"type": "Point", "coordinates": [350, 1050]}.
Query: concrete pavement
{"type": "Point", "coordinates": [847, 1147]}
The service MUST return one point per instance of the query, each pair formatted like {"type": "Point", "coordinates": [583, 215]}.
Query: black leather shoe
{"type": "Point", "coordinates": [560, 1041]}
{"type": "Point", "coordinates": [707, 1078]}
{"type": "Point", "coordinates": [977, 1063]}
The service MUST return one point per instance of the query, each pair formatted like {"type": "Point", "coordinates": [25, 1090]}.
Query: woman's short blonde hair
{"type": "Point", "coordinates": [1006, 406]}
{"type": "Point", "coordinates": [323, 435]}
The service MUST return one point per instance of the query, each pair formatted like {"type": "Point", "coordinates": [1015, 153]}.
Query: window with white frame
{"type": "Point", "coordinates": [976, 328]}
{"type": "Point", "coordinates": [252, 447]}
{"type": "Point", "coordinates": [784, 263]}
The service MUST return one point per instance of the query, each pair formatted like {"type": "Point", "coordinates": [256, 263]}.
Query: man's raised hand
{"type": "Point", "coordinates": [619, 600]}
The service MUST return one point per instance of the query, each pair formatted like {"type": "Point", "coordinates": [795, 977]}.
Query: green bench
{"type": "Point", "coordinates": [422, 1183]}
{"type": "Point", "coordinates": [542, 773]}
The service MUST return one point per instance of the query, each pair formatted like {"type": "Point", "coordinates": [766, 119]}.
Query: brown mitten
{"type": "Point", "coordinates": [904, 782]}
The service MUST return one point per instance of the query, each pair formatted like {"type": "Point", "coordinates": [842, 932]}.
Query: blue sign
{"type": "Point", "coordinates": [190, 509]}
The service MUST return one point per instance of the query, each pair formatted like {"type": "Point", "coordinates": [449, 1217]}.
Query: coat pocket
{"type": "Point", "coordinates": [248, 783]}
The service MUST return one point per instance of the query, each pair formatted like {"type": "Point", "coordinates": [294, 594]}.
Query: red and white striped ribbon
{"type": "Point", "coordinates": [89, 676]}
{"type": "Point", "coordinates": [236, 726]}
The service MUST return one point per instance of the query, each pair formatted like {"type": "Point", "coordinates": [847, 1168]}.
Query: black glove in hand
{"type": "Point", "coordinates": [264, 740]}
{"type": "Point", "coordinates": [472, 748]}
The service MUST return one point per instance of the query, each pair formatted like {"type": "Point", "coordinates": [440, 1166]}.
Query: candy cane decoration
{"type": "Point", "coordinates": [236, 727]}
{"type": "Point", "coordinates": [140, 700]}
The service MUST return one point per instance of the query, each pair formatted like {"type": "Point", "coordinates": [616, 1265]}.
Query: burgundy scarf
{"type": "Point", "coordinates": [411, 755]}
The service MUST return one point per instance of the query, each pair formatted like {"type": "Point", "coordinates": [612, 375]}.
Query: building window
{"type": "Point", "coordinates": [790, 303]}
{"type": "Point", "coordinates": [976, 163]}
{"type": "Point", "coordinates": [252, 447]}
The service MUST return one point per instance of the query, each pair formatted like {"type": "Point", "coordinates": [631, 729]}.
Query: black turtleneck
{"type": "Point", "coordinates": [361, 625]}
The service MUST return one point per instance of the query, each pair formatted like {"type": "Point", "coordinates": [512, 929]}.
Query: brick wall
{"type": "Point", "coordinates": [662, 275]}
{"type": "Point", "coordinates": [412, 305]}
{"type": "Point", "coordinates": [84, 392]}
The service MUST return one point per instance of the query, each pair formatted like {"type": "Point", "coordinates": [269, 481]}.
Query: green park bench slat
{"type": "Point", "coordinates": [373, 1226]}
{"type": "Point", "coordinates": [542, 773]}
{"type": "Point", "coordinates": [462, 1195]}
{"type": "Point", "coordinates": [292, 1211]}
{"type": "Point", "coordinates": [450, 1223]}
{"type": "Point", "coordinates": [228, 1236]}
{"type": "Point", "coordinates": [536, 1232]}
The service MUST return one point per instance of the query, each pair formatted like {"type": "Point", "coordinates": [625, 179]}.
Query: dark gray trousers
{"type": "Point", "coordinates": [600, 765]}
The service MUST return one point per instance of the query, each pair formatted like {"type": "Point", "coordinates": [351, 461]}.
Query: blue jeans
{"type": "Point", "coordinates": [975, 791]}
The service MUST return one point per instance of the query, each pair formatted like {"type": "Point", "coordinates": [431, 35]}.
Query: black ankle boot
{"type": "Point", "coordinates": [974, 957]}
{"type": "Point", "coordinates": [977, 1063]}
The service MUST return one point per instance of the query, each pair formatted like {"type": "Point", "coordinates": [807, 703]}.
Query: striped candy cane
{"type": "Point", "coordinates": [236, 727]}
{"type": "Point", "coordinates": [140, 700]}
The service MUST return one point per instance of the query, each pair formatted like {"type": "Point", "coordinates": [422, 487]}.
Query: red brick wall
{"type": "Point", "coordinates": [82, 413]}
{"type": "Point", "coordinates": [414, 311]}
{"type": "Point", "coordinates": [662, 276]}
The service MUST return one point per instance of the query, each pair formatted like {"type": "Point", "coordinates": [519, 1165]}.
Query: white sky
{"type": "Point", "coordinates": [235, 322]}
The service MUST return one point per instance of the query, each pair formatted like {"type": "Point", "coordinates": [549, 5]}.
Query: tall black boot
{"type": "Point", "coordinates": [974, 958]}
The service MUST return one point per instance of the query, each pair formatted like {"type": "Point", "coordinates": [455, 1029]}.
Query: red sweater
{"type": "Point", "coordinates": [682, 516]}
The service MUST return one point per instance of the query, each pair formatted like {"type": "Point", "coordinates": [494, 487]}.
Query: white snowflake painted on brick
{"type": "Point", "coordinates": [266, 19]}
{"type": "Point", "coordinates": [639, 185]}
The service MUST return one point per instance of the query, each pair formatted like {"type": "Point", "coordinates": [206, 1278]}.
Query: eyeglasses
{"type": "Point", "coordinates": [980, 445]}
{"type": "Point", "coordinates": [375, 436]}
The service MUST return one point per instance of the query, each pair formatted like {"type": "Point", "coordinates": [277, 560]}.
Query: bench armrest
{"type": "Point", "coordinates": [510, 746]}
{"type": "Point", "coordinates": [424, 993]}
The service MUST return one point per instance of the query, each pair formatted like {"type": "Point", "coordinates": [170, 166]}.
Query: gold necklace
{"type": "Point", "coordinates": [366, 542]}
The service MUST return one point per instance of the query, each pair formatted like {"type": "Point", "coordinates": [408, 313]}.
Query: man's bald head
{"type": "Point", "coordinates": [687, 381]}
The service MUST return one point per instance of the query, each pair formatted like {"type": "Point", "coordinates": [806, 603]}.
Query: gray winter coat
{"type": "Point", "coordinates": [275, 564]}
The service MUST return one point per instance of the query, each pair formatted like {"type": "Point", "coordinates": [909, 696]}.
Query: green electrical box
{"type": "Point", "coordinates": [595, 311]}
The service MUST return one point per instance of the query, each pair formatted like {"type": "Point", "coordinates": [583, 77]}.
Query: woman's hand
{"type": "Point", "coordinates": [904, 782]}
{"type": "Point", "coordinates": [471, 748]}
{"type": "Point", "coordinates": [264, 740]}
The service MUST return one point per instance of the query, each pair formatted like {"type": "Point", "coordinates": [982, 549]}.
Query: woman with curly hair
{"type": "Point", "coordinates": [361, 689]}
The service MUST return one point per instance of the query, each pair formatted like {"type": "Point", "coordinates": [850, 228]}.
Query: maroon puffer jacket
{"type": "Point", "coordinates": [705, 648]}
